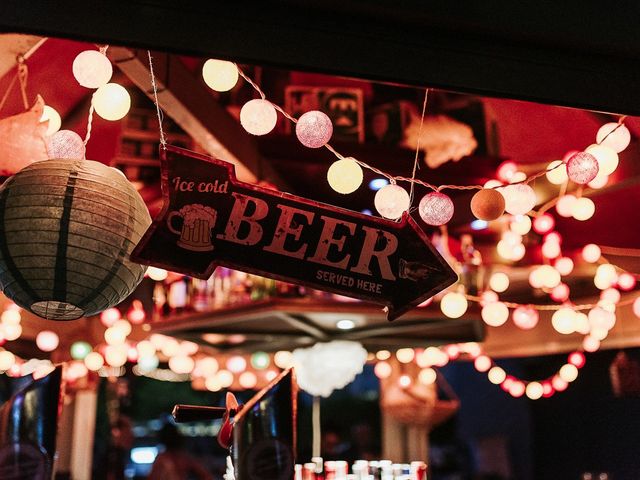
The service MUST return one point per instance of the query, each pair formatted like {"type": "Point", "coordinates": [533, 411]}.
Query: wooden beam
{"type": "Point", "coordinates": [13, 45]}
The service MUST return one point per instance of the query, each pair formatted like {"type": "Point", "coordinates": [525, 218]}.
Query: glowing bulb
{"type": "Point", "coordinates": [181, 364]}
{"type": "Point", "coordinates": [116, 355]}
{"type": "Point", "coordinates": [236, 364]}
{"type": "Point", "coordinates": [248, 380]}
{"type": "Point", "coordinates": [405, 355]}
{"type": "Point", "coordinates": [345, 176]}
{"type": "Point", "coordinates": [495, 314]}
{"type": "Point", "coordinates": [564, 206]}
{"type": "Point", "coordinates": [578, 359]}
{"type": "Point", "coordinates": [560, 292]}
{"type": "Point", "coordinates": [606, 156]}
{"type": "Point", "coordinates": [496, 375]}
{"type": "Point", "coordinates": [383, 354]}
{"type": "Point", "coordinates": [591, 253]}
{"type": "Point", "coordinates": [626, 282]}
{"type": "Point", "coordinates": [392, 201]}
{"type": "Point", "coordinates": [145, 348]}
{"type": "Point", "coordinates": [525, 317]}
{"type": "Point", "coordinates": [111, 101]}
{"type": "Point", "coordinates": [506, 170]}
{"type": "Point", "coordinates": [601, 319]}
{"type": "Point", "coordinates": [47, 341]}
{"type": "Point", "coordinates": [636, 307]}
{"type": "Point", "coordinates": [382, 370]}
{"type": "Point", "coordinates": [487, 204]}
{"type": "Point", "coordinates": [435, 208]}
{"type": "Point", "coordinates": [65, 144]}
{"type": "Point", "coordinates": [568, 372]}
{"type": "Point", "coordinates": [482, 363]}
{"type": "Point", "coordinates": [170, 347]}
{"type": "Point", "coordinates": [157, 274]}
{"type": "Point", "coordinates": [220, 75]}
{"type": "Point", "coordinates": [556, 174]}
{"type": "Point", "coordinates": [283, 359]}
{"type": "Point", "coordinates": [551, 250]}
{"type": "Point", "coordinates": [79, 350]}
{"type": "Point", "coordinates": [258, 117]}
{"type": "Point", "coordinates": [225, 378]}
{"type": "Point", "coordinates": [53, 117]}
{"type": "Point", "coordinates": [559, 384]}
{"type": "Point", "coordinates": [582, 323]}
{"type": "Point", "coordinates": [110, 316]}
{"type": "Point", "coordinates": [11, 331]}
{"type": "Point", "coordinates": [517, 389]}
{"type": "Point", "coordinates": [212, 384]}
{"type": "Point", "coordinates": [260, 360]}
{"type": "Point", "coordinates": [563, 320]}
{"type": "Point", "coordinates": [94, 361]}
{"type": "Point", "coordinates": [453, 305]}
{"type": "Point", "coordinates": [610, 295]}
{"type": "Point", "coordinates": [564, 265]}
{"type": "Point", "coordinates": [549, 276]}
{"type": "Point", "coordinates": [598, 182]}
{"type": "Point", "coordinates": [404, 381]}
{"type": "Point", "coordinates": [511, 238]}
{"type": "Point", "coordinates": [122, 325]}
{"type": "Point", "coordinates": [543, 223]}
{"type": "Point", "coordinates": [590, 344]}
{"type": "Point", "coordinates": [115, 336]}
{"type": "Point", "coordinates": [488, 296]}
{"type": "Point", "coordinates": [11, 317]}
{"type": "Point", "coordinates": [147, 364]}
{"type": "Point", "coordinates": [583, 209]}
{"type": "Point", "coordinates": [520, 224]}
{"type": "Point", "coordinates": [582, 168]}
{"type": "Point", "coordinates": [7, 360]}
{"type": "Point", "coordinates": [519, 198]}
{"type": "Point", "coordinates": [499, 282]}
{"type": "Point", "coordinates": [377, 183]}
{"type": "Point", "coordinates": [427, 376]}
{"type": "Point", "coordinates": [92, 69]}
{"type": "Point", "coordinates": [314, 129]}
{"type": "Point", "coordinates": [606, 276]}
{"type": "Point", "coordinates": [534, 390]}
{"type": "Point", "coordinates": [614, 135]}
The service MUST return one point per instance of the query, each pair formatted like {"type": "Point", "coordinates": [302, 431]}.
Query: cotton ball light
{"type": "Point", "coordinates": [577, 358]}
{"type": "Point", "coordinates": [550, 250]}
{"type": "Point", "coordinates": [181, 364]}
{"type": "Point", "coordinates": [517, 252]}
{"type": "Point", "coordinates": [582, 323]}
{"type": "Point", "coordinates": [111, 101]}
{"type": "Point", "coordinates": [116, 355]}
{"type": "Point", "coordinates": [79, 350]}
{"type": "Point", "coordinates": [499, 282]}
{"type": "Point", "coordinates": [598, 182]}
{"type": "Point", "coordinates": [536, 278]}
{"type": "Point", "coordinates": [517, 389]}
{"type": "Point", "coordinates": [7, 360]}
{"type": "Point", "coordinates": [614, 135]}
{"type": "Point", "coordinates": [590, 344]}
{"type": "Point", "coordinates": [236, 364]}
{"type": "Point", "coordinates": [525, 317]}
{"type": "Point", "coordinates": [606, 276]}
{"type": "Point", "coordinates": [345, 176]}
{"type": "Point", "coordinates": [550, 276]}
{"type": "Point", "coordinates": [496, 375]}
{"type": "Point", "coordinates": [427, 376]}
{"type": "Point", "coordinates": [94, 361]}
{"type": "Point", "coordinates": [564, 265]}
{"type": "Point", "coordinates": [392, 201]}
{"type": "Point", "coordinates": [51, 115]}
{"type": "Point", "coordinates": [506, 170]}
{"type": "Point", "coordinates": [555, 173]}
{"type": "Point", "coordinates": [582, 168]}
{"type": "Point", "coordinates": [92, 69]}
{"type": "Point", "coordinates": [382, 370]}
{"type": "Point", "coordinates": [487, 204]}
{"type": "Point", "coordinates": [561, 292]}
{"type": "Point", "coordinates": [636, 307]}
{"type": "Point", "coordinates": [314, 129]}
{"type": "Point", "coordinates": [606, 156]}
{"type": "Point", "coordinates": [11, 316]}
{"type": "Point", "coordinates": [564, 206]}
{"type": "Point", "coordinates": [283, 359]}
{"type": "Point", "coordinates": [47, 341]}
{"type": "Point", "coordinates": [610, 295]}
{"type": "Point", "coordinates": [405, 355]}
{"type": "Point", "coordinates": [626, 282]}
{"type": "Point", "coordinates": [258, 116]}
{"type": "Point", "coordinates": [219, 75]}
{"type": "Point", "coordinates": [435, 208]}
{"type": "Point", "coordinates": [583, 209]}
{"type": "Point", "coordinates": [534, 390]}
{"type": "Point", "coordinates": [519, 198]}
{"type": "Point", "coordinates": [601, 319]}
{"type": "Point", "coordinates": [206, 367]}
{"type": "Point", "coordinates": [543, 223]}
{"type": "Point", "coordinates": [147, 364]}
{"type": "Point", "coordinates": [520, 224]}
{"type": "Point", "coordinates": [65, 144]}
{"type": "Point", "coordinates": [488, 296]}
{"type": "Point", "coordinates": [115, 336]}
{"type": "Point", "coordinates": [591, 253]}
{"type": "Point", "coordinates": [568, 372]}
{"type": "Point", "coordinates": [212, 384]}
{"type": "Point", "coordinates": [482, 363]}
{"type": "Point", "coordinates": [248, 380]}
{"type": "Point", "coordinates": [495, 314]}
{"type": "Point", "coordinates": [511, 238]}
{"type": "Point", "coordinates": [110, 316]}
{"type": "Point", "coordinates": [145, 348]}
{"type": "Point", "coordinates": [563, 320]}
{"type": "Point", "coordinates": [11, 331]}
{"type": "Point", "coordinates": [453, 304]}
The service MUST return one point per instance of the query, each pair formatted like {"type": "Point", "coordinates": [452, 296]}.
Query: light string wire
{"type": "Point", "coordinates": [415, 159]}
{"type": "Point", "coordinates": [163, 140]}
{"type": "Point", "coordinates": [103, 51]}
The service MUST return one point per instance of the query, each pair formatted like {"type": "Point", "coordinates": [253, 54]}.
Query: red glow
{"type": "Point", "coordinates": [506, 171]}
{"type": "Point", "coordinates": [559, 384]}
{"type": "Point", "coordinates": [136, 314]}
{"type": "Point", "coordinates": [569, 154]}
{"type": "Point", "coordinates": [626, 282]}
{"type": "Point", "coordinates": [544, 223]}
{"type": "Point", "coordinates": [453, 351]}
{"type": "Point", "coordinates": [578, 359]}
{"type": "Point", "coordinates": [547, 389]}
{"type": "Point", "coordinates": [517, 389]}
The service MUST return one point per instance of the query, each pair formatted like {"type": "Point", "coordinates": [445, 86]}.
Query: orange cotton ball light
{"type": "Point", "coordinates": [488, 204]}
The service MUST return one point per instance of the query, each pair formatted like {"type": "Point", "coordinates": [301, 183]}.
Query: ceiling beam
{"type": "Point", "coordinates": [546, 53]}
{"type": "Point", "coordinates": [14, 45]}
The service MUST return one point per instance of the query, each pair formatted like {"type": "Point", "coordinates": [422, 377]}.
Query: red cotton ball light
{"type": "Point", "coordinates": [436, 208]}
{"type": "Point", "coordinates": [582, 168]}
{"type": "Point", "coordinates": [488, 204]}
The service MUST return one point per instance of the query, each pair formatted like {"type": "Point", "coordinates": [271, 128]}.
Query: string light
{"type": "Point", "coordinates": [47, 341]}
{"type": "Point", "coordinates": [582, 168]}
{"type": "Point", "coordinates": [555, 174]}
{"type": "Point", "coordinates": [453, 304]}
{"type": "Point", "coordinates": [345, 176]}
{"type": "Point", "coordinates": [499, 282]}
{"type": "Point", "coordinates": [435, 208]}
{"type": "Point", "coordinates": [583, 209]}
{"type": "Point", "coordinates": [591, 253]}
{"type": "Point", "coordinates": [314, 129]}
{"type": "Point", "coordinates": [487, 204]}
{"type": "Point", "coordinates": [525, 317]}
{"type": "Point", "coordinates": [111, 101]}
{"type": "Point", "coordinates": [614, 135]}
{"type": "Point", "coordinates": [495, 314]}
{"type": "Point", "coordinates": [220, 75]}
{"type": "Point", "coordinates": [606, 156]}
{"type": "Point", "coordinates": [92, 69]}
{"type": "Point", "coordinates": [65, 144]}
{"type": "Point", "coordinates": [564, 206]}
{"type": "Point", "coordinates": [258, 117]}
{"type": "Point", "coordinates": [392, 201]}
{"type": "Point", "coordinates": [519, 198]}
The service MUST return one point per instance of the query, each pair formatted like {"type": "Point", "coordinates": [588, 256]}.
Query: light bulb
{"type": "Point", "coordinates": [248, 380]}
{"type": "Point", "coordinates": [582, 168]}
{"type": "Point", "coordinates": [220, 75]}
{"type": "Point", "coordinates": [116, 355]}
{"type": "Point", "coordinates": [405, 355]}
{"type": "Point", "coordinates": [225, 378]}
{"type": "Point", "coordinates": [606, 276]}
{"type": "Point", "coordinates": [525, 317]}
{"type": "Point", "coordinates": [614, 135]}
{"type": "Point", "coordinates": [145, 348]}
{"type": "Point", "coordinates": [94, 361]}
{"type": "Point", "coordinates": [499, 282]}
{"type": "Point", "coordinates": [564, 206]}
{"type": "Point", "coordinates": [392, 201]}
{"type": "Point", "coordinates": [283, 359]}
{"type": "Point", "coordinates": [561, 292]}
{"type": "Point", "coordinates": [92, 69]}
{"type": "Point", "coordinates": [53, 117]}
{"type": "Point", "coordinates": [568, 372]}
{"type": "Point", "coordinates": [506, 170]}
{"type": "Point", "coordinates": [110, 316]}
{"type": "Point", "coordinates": [258, 117]}
{"type": "Point", "coordinates": [496, 375]}
{"type": "Point", "coordinates": [564, 265]}
{"type": "Point", "coordinates": [482, 363]}
{"type": "Point", "coordinates": [47, 341]}
{"type": "Point", "coordinates": [534, 390]}
{"type": "Point", "coordinates": [549, 276]}
{"type": "Point", "coordinates": [590, 344]}
{"type": "Point", "coordinates": [435, 208]}
{"type": "Point", "coordinates": [598, 182]}
{"type": "Point", "coordinates": [212, 384]}
{"type": "Point", "coordinates": [519, 198]}
{"type": "Point", "coordinates": [556, 174]}
{"type": "Point", "coordinates": [345, 176]}
{"type": "Point", "coordinates": [563, 320]}
{"type": "Point", "coordinates": [577, 358]}
{"type": "Point", "coordinates": [606, 156]}
{"type": "Point", "coordinates": [601, 319]}
{"type": "Point", "coordinates": [181, 364]}
{"type": "Point", "coordinates": [550, 250]}
{"type": "Point", "coordinates": [591, 253]}
{"type": "Point", "coordinates": [495, 314]}
{"type": "Point", "coordinates": [583, 209]}
{"type": "Point", "coordinates": [314, 129]}
{"type": "Point", "coordinates": [111, 101]}
{"type": "Point", "coordinates": [453, 305]}
{"type": "Point", "coordinates": [236, 364]}
{"type": "Point", "coordinates": [382, 370]}
{"type": "Point", "coordinates": [65, 144]}
{"type": "Point", "coordinates": [260, 360]}
{"type": "Point", "coordinates": [626, 282]}
{"type": "Point", "coordinates": [427, 376]}
{"type": "Point", "coordinates": [520, 224]}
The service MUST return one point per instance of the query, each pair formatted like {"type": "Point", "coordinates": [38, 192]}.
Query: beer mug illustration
{"type": "Point", "coordinates": [197, 222]}
{"type": "Point", "coordinates": [414, 271]}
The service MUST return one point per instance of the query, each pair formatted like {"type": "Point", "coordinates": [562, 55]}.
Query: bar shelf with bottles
{"type": "Point", "coordinates": [360, 470]}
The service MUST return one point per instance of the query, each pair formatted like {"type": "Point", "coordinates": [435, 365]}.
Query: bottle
{"type": "Point", "coordinates": [318, 470]}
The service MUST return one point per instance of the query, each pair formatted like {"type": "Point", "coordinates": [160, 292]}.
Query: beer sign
{"type": "Point", "coordinates": [209, 218]}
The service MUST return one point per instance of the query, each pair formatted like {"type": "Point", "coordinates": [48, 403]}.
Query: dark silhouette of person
{"type": "Point", "coordinates": [175, 463]}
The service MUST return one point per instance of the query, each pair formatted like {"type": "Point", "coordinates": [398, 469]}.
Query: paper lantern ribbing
{"type": "Point", "coordinates": [582, 168]}
{"type": "Point", "coordinates": [67, 228]}
{"type": "Point", "coordinates": [488, 204]}
{"type": "Point", "coordinates": [436, 208]}
{"type": "Point", "coordinates": [314, 129]}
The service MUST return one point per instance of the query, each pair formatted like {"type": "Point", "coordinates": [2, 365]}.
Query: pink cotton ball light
{"type": "Point", "coordinates": [582, 168]}
{"type": "Point", "coordinates": [436, 208]}
{"type": "Point", "coordinates": [314, 129]}
{"type": "Point", "coordinates": [65, 144]}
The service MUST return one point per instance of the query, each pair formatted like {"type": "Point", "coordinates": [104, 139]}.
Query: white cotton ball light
{"type": "Point", "coordinates": [427, 376]}
{"type": "Point", "coordinates": [606, 156]}
{"type": "Point", "coordinates": [556, 174]}
{"type": "Point", "coordinates": [116, 355]}
{"type": "Point", "coordinates": [564, 206]}
{"type": "Point", "coordinates": [314, 129]}
{"type": "Point", "coordinates": [564, 265]}
{"type": "Point", "coordinates": [583, 209]}
{"type": "Point", "coordinates": [220, 75]}
{"type": "Point", "coordinates": [65, 144]}
{"type": "Point", "coordinates": [495, 314]}
{"type": "Point", "coordinates": [181, 364]}
{"type": "Point", "coordinates": [94, 361]}
{"type": "Point", "coordinates": [614, 135]}
{"type": "Point", "coordinates": [248, 380]}
{"type": "Point", "coordinates": [111, 101]}
{"type": "Point", "coordinates": [345, 176]}
{"type": "Point", "coordinates": [392, 201]}
{"type": "Point", "coordinates": [225, 378]}
{"type": "Point", "coordinates": [435, 208]}
{"type": "Point", "coordinates": [519, 198]}
{"type": "Point", "coordinates": [564, 320]}
{"type": "Point", "coordinates": [51, 115]}
{"type": "Point", "coordinates": [92, 69]}
{"type": "Point", "coordinates": [258, 117]}
{"type": "Point", "coordinates": [520, 224]}
{"type": "Point", "coordinates": [499, 282]}
{"type": "Point", "coordinates": [568, 372]}
{"type": "Point", "coordinates": [482, 363]}
{"type": "Point", "coordinates": [453, 305]}
{"type": "Point", "coordinates": [534, 390]}
{"type": "Point", "coordinates": [525, 317]}
{"type": "Point", "coordinates": [157, 274]}
{"type": "Point", "coordinates": [591, 253]}
{"type": "Point", "coordinates": [496, 375]}
{"type": "Point", "coordinates": [47, 341]}
{"type": "Point", "coordinates": [606, 276]}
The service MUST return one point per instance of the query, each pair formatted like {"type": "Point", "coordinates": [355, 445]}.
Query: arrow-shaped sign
{"type": "Point", "coordinates": [209, 218]}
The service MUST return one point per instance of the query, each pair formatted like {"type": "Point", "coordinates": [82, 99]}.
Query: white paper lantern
{"type": "Point", "coordinates": [111, 101]}
{"type": "Point", "coordinates": [258, 117]}
{"type": "Point", "coordinates": [392, 201]}
{"type": "Point", "coordinates": [435, 208]}
{"type": "Point", "coordinates": [614, 135]}
{"type": "Point", "coordinates": [519, 199]}
{"type": "Point", "coordinates": [220, 75]}
{"type": "Point", "coordinates": [345, 176]}
{"type": "Point", "coordinates": [50, 114]}
{"type": "Point", "coordinates": [92, 69]}
{"type": "Point", "coordinates": [314, 129]}
{"type": "Point", "coordinates": [70, 259]}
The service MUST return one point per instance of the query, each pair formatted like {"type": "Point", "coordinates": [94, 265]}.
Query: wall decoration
{"type": "Point", "coordinates": [209, 218]}
{"type": "Point", "coordinates": [67, 228]}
